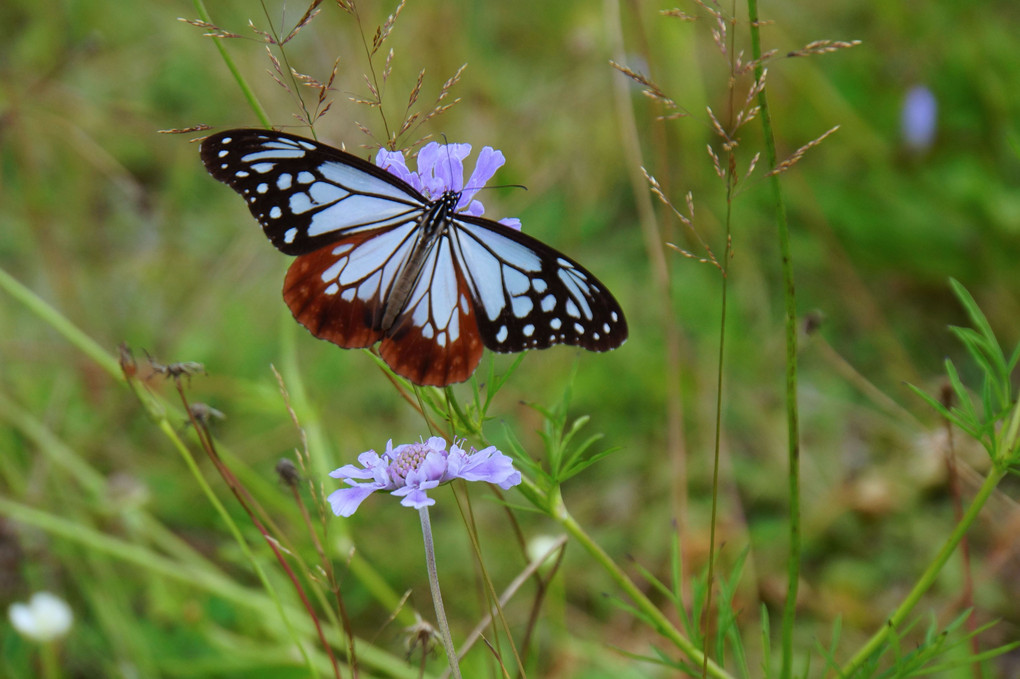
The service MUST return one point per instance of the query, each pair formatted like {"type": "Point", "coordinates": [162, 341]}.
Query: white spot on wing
{"type": "Point", "coordinates": [370, 288]}
{"type": "Point", "coordinates": [323, 193]}
{"type": "Point", "coordinates": [300, 203]}
{"type": "Point", "coordinates": [570, 279]}
{"type": "Point", "coordinates": [515, 282]}
{"type": "Point", "coordinates": [272, 153]}
{"type": "Point", "coordinates": [521, 306]}
{"type": "Point", "coordinates": [332, 272]}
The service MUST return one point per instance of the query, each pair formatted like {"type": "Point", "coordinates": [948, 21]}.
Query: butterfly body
{"type": "Point", "coordinates": [377, 261]}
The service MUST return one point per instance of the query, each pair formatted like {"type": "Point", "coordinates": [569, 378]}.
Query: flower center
{"type": "Point", "coordinates": [410, 458]}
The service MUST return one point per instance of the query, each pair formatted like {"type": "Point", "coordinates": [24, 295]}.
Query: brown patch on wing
{"type": "Point", "coordinates": [426, 361]}
{"type": "Point", "coordinates": [349, 323]}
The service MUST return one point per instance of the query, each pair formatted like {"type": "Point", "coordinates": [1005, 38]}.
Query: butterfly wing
{"type": "Point", "coordinates": [529, 296]}
{"type": "Point", "coordinates": [339, 293]}
{"type": "Point", "coordinates": [355, 229]}
{"type": "Point", "coordinates": [307, 195]}
{"type": "Point", "coordinates": [435, 339]}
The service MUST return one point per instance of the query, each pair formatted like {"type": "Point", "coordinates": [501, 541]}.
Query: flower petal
{"type": "Point", "coordinates": [437, 443]}
{"type": "Point", "coordinates": [448, 166]}
{"type": "Point", "coordinates": [394, 163]}
{"type": "Point", "coordinates": [345, 501]}
{"type": "Point", "coordinates": [484, 465]}
{"type": "Point", "coordinates": [474, 208]}
{"type": "Point", "coordinates": [489, 160]}
{"type": "Point", "coordinates": [44, 618]}
{"type": "Point", "coordinates": [416, 498]}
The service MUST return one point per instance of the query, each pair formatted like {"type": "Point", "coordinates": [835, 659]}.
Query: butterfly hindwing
{"type": "Point", "coordinates": [435, 339]}
{"type": "Point", "coordinates": [341, 293]}
{"type": "Point", "coordinates": [306, 194]}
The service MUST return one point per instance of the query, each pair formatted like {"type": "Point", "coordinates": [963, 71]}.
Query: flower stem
{"type": "Point", "coordinates": [648, 609]}
{"type": "Point", "coordinates": [437, 595]}
{"type": "Point", "coordinates": [790, 298]}
{"type": "Point", "coordinates": [249, 94]}
{"type": "Point", "coordinates": [877, 641]}
{"type": "Point", "coordinates": [48, 660]}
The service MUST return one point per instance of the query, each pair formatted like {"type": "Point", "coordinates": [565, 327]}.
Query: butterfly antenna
{"type": "Point", "coordinates": [503, 186]}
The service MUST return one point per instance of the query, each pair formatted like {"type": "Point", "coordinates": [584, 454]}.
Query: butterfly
{"type": "Point", "coordinates": [378, 261]}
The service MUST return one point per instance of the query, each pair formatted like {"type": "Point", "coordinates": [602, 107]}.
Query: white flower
{"type": "Point", "coordinates": [44, 618]}
{"type": "Point", "coordinates": [542, 545]}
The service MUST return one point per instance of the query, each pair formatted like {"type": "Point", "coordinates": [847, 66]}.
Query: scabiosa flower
{"type": "Point", "coordinates": [44, 618]}
{"type": "Point", "coordinates": [441, 169]}
{"type": "Point", "coordinates": [918, 118]}
{"type": "Point", "coordinates": [411, 469]}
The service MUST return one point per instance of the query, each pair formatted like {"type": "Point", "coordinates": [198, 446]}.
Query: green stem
{"type": "Point", "coordinates": [789, 293]}
{"type": "Point", "coordinates": [249, 94]}
{"type": "Point", "coordinates": [437, 595]}
{"type": "Point", "coordinates": [875, 643]}
{"type": "Point", "coordinates": [558, 511]}
{"type": "Point", "coordinates": [59, 322]}
{"type": "Point", "coordinates": [202, 578]}
{"type": "Point", "coordinates": [48, 660]}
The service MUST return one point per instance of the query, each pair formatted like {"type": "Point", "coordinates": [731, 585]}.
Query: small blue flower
{"type": "Point", "coordinates": [409, 470]}
{"type": "Point", "coordinates": [441, 169]}
{"type": "Point", "coordinates": [919, 117]}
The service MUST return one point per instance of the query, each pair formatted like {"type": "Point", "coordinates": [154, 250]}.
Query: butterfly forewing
{"type": "Point", "coordinates": [305, 194]}
{"type": "Point", "coordinates": [530, 296]}
{"type": "Point", "coordinates": [379, 262]}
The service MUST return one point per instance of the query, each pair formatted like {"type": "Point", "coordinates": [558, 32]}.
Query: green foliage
{"type": "Point", "coordinates": [996, 393]}
{"type": "Point", "coordinates": [112, 233]}
{"type": "Point", "coordinates": [564, 457]}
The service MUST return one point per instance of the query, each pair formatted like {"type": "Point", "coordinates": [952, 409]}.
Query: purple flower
{"type": "Point", "coordinates": [919, 116]}
{"type": "Point", "coordinates": [409, 470]}
{"type": "Point", "coordinates": [441, 169]}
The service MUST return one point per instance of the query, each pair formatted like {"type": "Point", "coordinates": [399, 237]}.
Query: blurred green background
{"type": "Point", "coordinates": [121, 230]}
